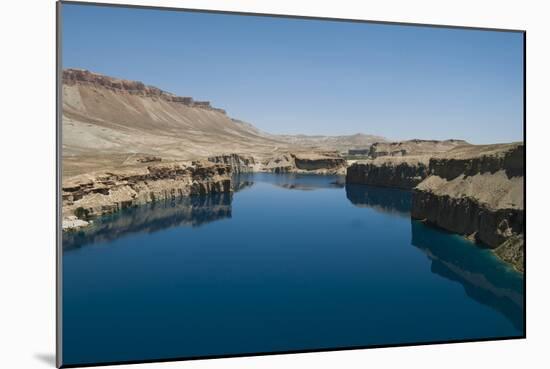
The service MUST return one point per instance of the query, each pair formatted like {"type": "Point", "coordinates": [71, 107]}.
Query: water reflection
{"type": "Point", "coordinates": [188, 211]}
{"type": "Point", "coordinates": [484, 279]}
{"type": "Point", "coordinates": [387, 200]}
{"type": "Point", "coordinates": [241, 182]}
{"type": "Point", "coordinates": [296, 181]}
{"type": "Point", "coordinates": [491, 283]}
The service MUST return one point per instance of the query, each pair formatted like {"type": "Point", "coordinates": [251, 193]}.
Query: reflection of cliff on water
{"type": "Point", "coordinates": [241, 182]}
{"type": "Point", "coordinates": [187, 211]}
{"type": "Point", "coordinates": [483, 277]}
{"type": "Point", "coordinates": [297, 181]}
{"type": "Point", "coordinates": [386, 200]}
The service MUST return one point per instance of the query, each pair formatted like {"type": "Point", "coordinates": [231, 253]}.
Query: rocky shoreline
{"type": "Point", "coordinates": [150, 179]}
{"type": "Point", "coordinates": [472, 190]}
{"type": "Point", "coordinates": [88, 196]}
{"type": "Point", "coordinates": [306, 162]}
{"type": "Point", "coordinates": [478, 192]}
{"type": "Point", "coordinates": [126, 143]}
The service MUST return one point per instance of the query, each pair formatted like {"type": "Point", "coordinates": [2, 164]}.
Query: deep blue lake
{"type": "Point", "coordinates": [286, 262]}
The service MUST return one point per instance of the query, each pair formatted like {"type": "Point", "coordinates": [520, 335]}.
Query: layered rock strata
{"type": "Point", "coordinates": [477, 191]}
{"type": "Point", "coordinates": [71, 77]}
{"type": "Point", "coordinates": [87, 196]}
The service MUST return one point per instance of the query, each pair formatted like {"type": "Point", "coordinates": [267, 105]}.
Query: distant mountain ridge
{"type": "Point", "coordinates": [339, 143]}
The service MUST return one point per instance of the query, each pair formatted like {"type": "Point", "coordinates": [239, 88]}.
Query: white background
{"type": "Point", "coordinates": [27, 182]}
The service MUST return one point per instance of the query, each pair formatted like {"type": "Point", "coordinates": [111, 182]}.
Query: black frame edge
{"type": "Point", "coordinates": [58, 179]}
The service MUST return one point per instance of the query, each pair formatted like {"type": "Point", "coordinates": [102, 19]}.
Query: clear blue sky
{"type": "Point", "coordinates": [314, 77]}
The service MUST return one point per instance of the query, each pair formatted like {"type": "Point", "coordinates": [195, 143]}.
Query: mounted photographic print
{"type": "Point", "coordinates": [241, 184]}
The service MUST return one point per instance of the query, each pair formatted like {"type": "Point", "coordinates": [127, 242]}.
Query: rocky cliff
{"type": "Point", "coordinates": [395, 172]}
{"type": "Point", "coordinates": [477, 191]}
{"type": "Point", "coordinates": [91, 195]}
{"type": "Point", "coordinates": [238, 163]}
{"type": "Point", "coordinates": [306, 162]}
{"type": "Point", "coordinates": [402, 164]}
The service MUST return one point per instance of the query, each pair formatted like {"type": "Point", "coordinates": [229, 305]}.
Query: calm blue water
{"type": "Point", "coordinates": [286, 262]}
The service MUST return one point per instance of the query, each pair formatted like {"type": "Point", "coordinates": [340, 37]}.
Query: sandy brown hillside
{"type": "Point", "coordinates": [106, 119]}
{"type": "Point", "coordinates": [108, 122]}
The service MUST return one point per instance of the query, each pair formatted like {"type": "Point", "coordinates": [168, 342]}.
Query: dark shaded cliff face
{"type": "Point", "coordinates": [468, 216]}
{"type": "Point", "coordinates": [399, 174]}
{"type": "Point", "coordinates": [402, 164]}
{"type": "Point", "coordinates": [467, 163]}
{"type": "Point", "coordinates": [479, 195]}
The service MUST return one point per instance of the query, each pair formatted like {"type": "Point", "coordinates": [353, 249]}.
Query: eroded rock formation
{"type": "Point", "coordinates": [91, 195]}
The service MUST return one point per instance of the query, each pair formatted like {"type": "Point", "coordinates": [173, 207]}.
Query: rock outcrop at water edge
{"type": "Point", "coordinates": [87, 196]}
{"type": "Point", "coordinates": [477, 191]}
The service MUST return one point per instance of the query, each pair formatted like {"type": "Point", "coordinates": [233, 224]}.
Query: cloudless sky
{"type": "Point", "coordinates": [314, 77]}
